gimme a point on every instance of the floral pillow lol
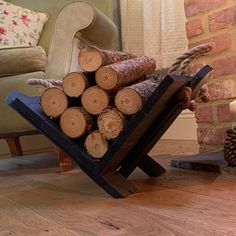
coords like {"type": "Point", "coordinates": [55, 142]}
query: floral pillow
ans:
{"type": "Point", "coordinates": [20, 26]}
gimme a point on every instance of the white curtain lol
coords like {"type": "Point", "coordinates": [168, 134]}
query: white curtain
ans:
{"type": "Point", "coordinates": [154, 28]}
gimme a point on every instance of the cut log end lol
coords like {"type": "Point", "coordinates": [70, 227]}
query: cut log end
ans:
{"type": "Point", "coordinates": [95, 100]}
{"type": "Point", "coordinates": [54, 102]}
{"type": "Point", "coordinates": [90, 59]}
{"type": "Point", "coordinates": [75, 122]}
{"type": "Point", "coordinates": [74, 84]}
{"type": "Point", "coordinates": [128, 101]}
{"type": "Point", "coordinates": [106, 78]}
{"type": "Point", "coordinates": [96, 145]}
{"type": "Point", "coordinates": [111, 123]}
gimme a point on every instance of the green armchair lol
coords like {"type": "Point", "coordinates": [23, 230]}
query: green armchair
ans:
{"type": "Point", "coordinates": [69, 20]}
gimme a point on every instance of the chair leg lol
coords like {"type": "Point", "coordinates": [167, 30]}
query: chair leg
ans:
{"type": "Point", "coordinates": [14, 146]}
{"type": "Point", "coordinates": [64, 160]}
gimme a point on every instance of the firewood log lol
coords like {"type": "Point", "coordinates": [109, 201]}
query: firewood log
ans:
{"type": "Point", "coordinates": [74, 84]}
{"type": "Point", "coordinates": [111, 123]}
{"type": "Point", "coordinates": [131, 99]}
{"type": "Point", "coordinates": [92, 58]}
{"type": "Point", "coordinates": [53, 102]}
{"type": "Point", "coordinates": [96, 145]}
{"type": "Point", "coordinates": [94, 100]}
{"type": "Point", "coordinates": [75, 122]}
{"type": "Point", "coordinates": [113, 76]}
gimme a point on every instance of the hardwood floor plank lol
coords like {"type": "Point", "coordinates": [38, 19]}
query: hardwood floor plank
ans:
{"type": "Point", "coordinates": [43, 201]}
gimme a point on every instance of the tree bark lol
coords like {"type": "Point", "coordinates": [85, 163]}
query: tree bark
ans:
{"type": "Point", "coordinates": [114, 76]}
{"type": "Point", "coordinates": [96, 145]}
{"type": "Point", "coordinates": [53, 102]}
{"type": "Point", "coordinates": [94, 100]}
{"type": "Point", "coordinates": [111, 123]}
{"type": "Point", "coordinates": [131, 99]}
{"type": "Point", "coordinates": [76, 122]}
{"type": "Point", "coordinates": [92, 58]}
{"type": "Point", "coordinates": [74, 84]}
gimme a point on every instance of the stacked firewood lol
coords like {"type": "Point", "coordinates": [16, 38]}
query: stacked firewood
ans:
{"type": "Point", "coordinates": [94, 105]}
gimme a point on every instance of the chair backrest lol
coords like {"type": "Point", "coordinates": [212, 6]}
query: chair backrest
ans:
{"type": "Point", "coordinates": [52, 7]}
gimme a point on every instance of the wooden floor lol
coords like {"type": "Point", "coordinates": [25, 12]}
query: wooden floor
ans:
{"type": "Point", "coordinates": [36, 199]}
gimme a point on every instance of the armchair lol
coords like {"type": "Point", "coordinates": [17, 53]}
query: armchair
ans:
{"type": "Point", "coordinates": [69, 20]}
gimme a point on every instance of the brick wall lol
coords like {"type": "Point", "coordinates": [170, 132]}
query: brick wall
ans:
{"type": "Point", "coordinates": [214, 21]}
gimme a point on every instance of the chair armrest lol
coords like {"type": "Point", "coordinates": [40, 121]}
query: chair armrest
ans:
{"type": "Point", "coordinates": [22, 60]}
{"type": "Point", "coordinates": [85, 21]}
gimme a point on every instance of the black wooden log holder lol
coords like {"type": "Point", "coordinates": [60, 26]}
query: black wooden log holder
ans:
{"type": "Point", "coordinates": [130, 149]}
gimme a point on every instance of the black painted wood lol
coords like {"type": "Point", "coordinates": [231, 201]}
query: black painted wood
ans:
{"type": "Point", "coordinates": [113, 183]}
{"type": "Point", "coordinates": [151, 167]}
{"type": "Point", "coordinates": [141, 122]}
{"type": "Point", "coordinates": [130, 149]}
{"type": "Point", "coordinates": [161, 123]}
{"type": "Point", "coordinates": [210, 161]}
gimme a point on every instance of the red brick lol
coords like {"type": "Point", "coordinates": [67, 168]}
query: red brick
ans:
{"type": "Point", "coordinates": [211, 135]}
{"type": "Point", "coordinates": [194, 28]}
{"type": "Point", "coordinates": [204, 115]}
{"type": "Point", "coordinates": [222, 19]}
{"type": "Point", "coordinates": [193, 7]}
{"type": "Point", "coordinates": [222, 89]}
{"type": "Point", "coordinates": [225, 66]}
{"type": "Point", "coordinates": [223, 112]}
{"type": "Point", "coordinates": [221, 43]}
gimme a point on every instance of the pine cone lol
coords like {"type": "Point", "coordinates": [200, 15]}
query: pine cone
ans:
{"type": "Point", "coordinates": [230, 147]}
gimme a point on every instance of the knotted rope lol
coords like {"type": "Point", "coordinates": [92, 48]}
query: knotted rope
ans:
{"type": "Point", "coordinates": [180, 67]}
{"type": "Point", "coordinates": [182, 62]}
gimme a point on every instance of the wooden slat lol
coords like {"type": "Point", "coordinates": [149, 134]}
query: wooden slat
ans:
{"type": "Point", "coordinates": [161, 124]}
{"type": "Point", "coordinates": [135, 130]}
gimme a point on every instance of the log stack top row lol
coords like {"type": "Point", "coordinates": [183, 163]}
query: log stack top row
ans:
{"type": "Point", "coordinates": [94, 105]}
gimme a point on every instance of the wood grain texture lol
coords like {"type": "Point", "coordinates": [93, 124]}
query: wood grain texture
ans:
{"type": "Point", "coordinates": [64, 160]}
{"type": "Point", "coordinates": [14, 146]}
{"type": "Point", "coordinates": [36, 200]}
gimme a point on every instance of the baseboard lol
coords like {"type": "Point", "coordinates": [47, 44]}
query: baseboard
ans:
{"type": "Point", "coordinates": [184, 127]}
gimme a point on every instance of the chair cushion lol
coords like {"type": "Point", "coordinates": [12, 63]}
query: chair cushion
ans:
{"type": "Point", "coordinates": [22, 60]}
{"type": "Point", "coordinates": [20, 26]}
{"type": "Point", "coordinates": [11, 121]}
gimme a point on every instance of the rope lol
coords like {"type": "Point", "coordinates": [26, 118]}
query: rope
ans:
{"type": "Point", "coordinates": [188, 56]}
{"type": "Point", "coordinates": [45, 83]}
{"type": "Point", "coordinates": [185, 64]}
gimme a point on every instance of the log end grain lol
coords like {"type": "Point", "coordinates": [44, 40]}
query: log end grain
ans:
{"type": "Point", "coordinates": [128, 101]}
{"type": "Point", "coordinates": [95, 100]}
{"type": "Point", "coordinates": [75, 122]}
{"type": "Point", "coordinates": [107, 78]}
{"type": "Point", "coordinates": [111, 123]}
{"type": "Point", "coordinates": [90, 59]}
{"type": "Point", "coordinates": [96, 145]}
{"type": "Point", "coordinates": [53, 102]}
{"type": "Point", "coordinates": [74, 84]}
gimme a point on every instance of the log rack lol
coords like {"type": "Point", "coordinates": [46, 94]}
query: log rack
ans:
{"type": "Point", "coordinates": [129, 150]}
